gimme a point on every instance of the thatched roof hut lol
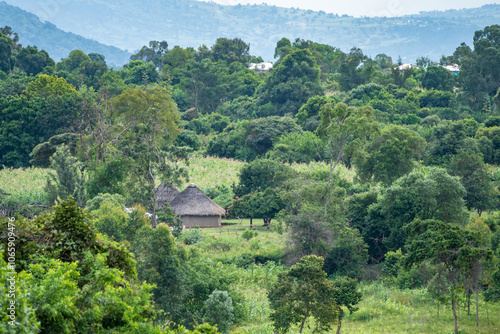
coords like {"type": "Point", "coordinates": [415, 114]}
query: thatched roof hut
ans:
{"type": "Point", "coordinates": [196, 209]}
{"type": "Point", "coordinates": [165, 193]}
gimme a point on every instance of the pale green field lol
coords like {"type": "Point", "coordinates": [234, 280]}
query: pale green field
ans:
{"type": "Point", "coordinates": [25, 185]}
{"type": "Point", "coordinates": [28, 184]}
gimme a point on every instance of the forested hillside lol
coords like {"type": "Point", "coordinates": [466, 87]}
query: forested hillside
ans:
{"type": "Point", "coordinates": [126, 24]}
{"type": "Point", "coordinates": [348, 183]}
{"type": "Point", "coordinates": [59, 43]}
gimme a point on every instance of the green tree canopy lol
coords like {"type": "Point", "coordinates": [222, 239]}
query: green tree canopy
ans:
{"type": "Point", "coordinates": [390, 155]}
{"type": "Point", "coordinates": [303, 292]}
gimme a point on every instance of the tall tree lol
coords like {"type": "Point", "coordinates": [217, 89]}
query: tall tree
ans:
{"type": "Point", "coordinates": [292, 82]}
{"type": "Point", "coordinates": [345, 129]}
{"type": "Point", "coordinates": [149, 120]}
{"type": "Point", "coordinates": [303, 292]}
{"type": "Point", "coordinates": [446, 244]}
{"type": "Point", "coordinates": [390, 155]}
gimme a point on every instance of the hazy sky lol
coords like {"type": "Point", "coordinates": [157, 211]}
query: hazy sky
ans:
{"type": "Point", "coordinates": [369, 7]}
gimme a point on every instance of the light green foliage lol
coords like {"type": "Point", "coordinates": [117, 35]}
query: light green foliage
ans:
{"type": "Point", "coordinates": [390, 155]}
{"type": "Point", "coordinates": [67, 302]}
{"type": "Point", "coordinates": [111, 219]}
{"type": "Point", "coordinates": [313, 213]}
{"type": "Point", "coordinates": [219, 310]}
{"type": "Point", "coordinates": [25, 319]}
{"type": "Point", "coordinates": [68, 180]}
{"type": "Point", "coordinates": [297, 147]}
{"type": "Point", "coordinates": [191, 236]}
{"type": "Point", "coordinates": [248, 234]}
{"type": "Point", "coordinates": [345, 129]}
{"type": "Point", "coordinates": [54, 293]}
{"type": "Point", "coordinates": [149, 119]}
{"type": "Point", "coordinates": [301, 292]}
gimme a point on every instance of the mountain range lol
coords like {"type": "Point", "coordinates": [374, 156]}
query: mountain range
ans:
{"type": "Point", "coordinates": [129, 24]}
{"type": "Point", "coordinates": [56, 42]}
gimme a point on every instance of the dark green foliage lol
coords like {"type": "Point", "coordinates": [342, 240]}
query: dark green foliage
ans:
{"type": "Point", "coordinates": [346, 295]}
{"type": "Point", "coordinates": [348, 255]}
{"type": "Point", "coordinates": [231, 50]}
{"type": "Point", "coordinates": [354, 70]}
{"type": "Point", "coordinates": [427, 194]}
{"type": "Point", "coordinates": [479, 75]}
{"type": "Point", "coordinates": [219, 310]}
{"type": "Point", "coordinates": [153, 53]}
{"type": "Point", "coordinates": [108, 178]}
{"type": "Point", "coordinates": [292, 82]}
{"type": "Point", "coordinates": [476, 179]}
{"type": "Point", "coordinates": [188, 138]}
{"type": "Point", "coordinates": [436, 99]}
{"type": "Point", "coordinates": [260, 204]}
{"type": "Point", "coordinates": [8, 48]}
{"type": "Point", "coordinates": [438, 78]}
{"type": "Point", "coordinates": [161, 262]}
{"type": "Point", "coordinates": [207, 124]}
{"type": "Point", "coordinates": [41, 154]}
{"type": "Point", "coordinates": [449, 138]}
{"type": "Point", "coordinates": [390, 155]}
{"type": "Point", "coordinates": [489, 139]}
{"type": "Point", "coordinates": [261, 174]}
{"type": "Point", "coordinates": [303, 292]}
{"type": "Point", "coordinates": [33, 61]}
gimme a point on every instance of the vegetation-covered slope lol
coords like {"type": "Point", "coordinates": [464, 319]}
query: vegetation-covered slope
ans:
{"type": "Point", "coordinates": [127, 24]}
{"type": "Point", "coordinates": [58, 43]}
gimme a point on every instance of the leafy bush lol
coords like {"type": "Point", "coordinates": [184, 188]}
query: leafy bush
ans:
{"type": "Point", "coordinates": [248, 234]}
{"type": "Point", "coordinates": [191, 236]}
{"type": "Point", "coordinates": [219, 310]}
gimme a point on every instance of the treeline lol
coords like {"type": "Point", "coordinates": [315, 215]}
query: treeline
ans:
{"type": "Point", "coordinates": [423, 143]}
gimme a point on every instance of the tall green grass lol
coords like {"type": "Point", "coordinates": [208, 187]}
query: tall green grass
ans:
{"type": "Point", "coordinates": [24, 185]}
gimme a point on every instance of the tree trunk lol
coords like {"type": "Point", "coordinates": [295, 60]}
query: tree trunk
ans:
{"type": "Point", "coordinates": [304, 321]}
{"type": "Point", "coordinates": [453, 306]}
{"type": "Point", "coordinates": [340, 325]}
{"type": "Point", "coordinates": [251, 223]}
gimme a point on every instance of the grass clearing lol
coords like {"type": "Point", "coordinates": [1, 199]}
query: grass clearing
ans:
{"type": "Point", "coordinates": [25, 185]}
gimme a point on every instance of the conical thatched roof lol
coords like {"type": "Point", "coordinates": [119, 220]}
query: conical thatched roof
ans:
{"type": "Point", "coordinates": [165, 193]}
{"type": "Point", "coordinates": [193, 202]}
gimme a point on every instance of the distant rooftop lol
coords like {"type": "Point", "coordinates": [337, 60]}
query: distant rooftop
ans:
{"type": "Point", "coordinates": [266, 66]}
